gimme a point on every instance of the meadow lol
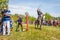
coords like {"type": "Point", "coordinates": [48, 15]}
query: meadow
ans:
{"type": "Point", "coordinates": [47, 33]}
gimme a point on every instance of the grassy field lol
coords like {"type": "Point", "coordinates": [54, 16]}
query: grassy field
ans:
{"type": "Point", "coordinates": [47, 33]}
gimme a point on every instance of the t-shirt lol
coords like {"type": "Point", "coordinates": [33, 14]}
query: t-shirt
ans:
{"type": "Point", "coordinates": [19, 20]}
{"type": "Point", "coordinates": [6, 18]}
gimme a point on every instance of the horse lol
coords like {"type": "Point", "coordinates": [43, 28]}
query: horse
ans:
{"type": "Point", "coordinates": [40, 18]}
{"type": "Point", "coordinates": [39, 22]}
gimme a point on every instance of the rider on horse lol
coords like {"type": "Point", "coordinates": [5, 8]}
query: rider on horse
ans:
{"type": "Point", "coordinates": [40, 17]}
{"type": "Point", "coordinates": [40, 14]}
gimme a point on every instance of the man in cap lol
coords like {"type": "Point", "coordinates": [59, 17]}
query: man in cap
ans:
{"type": "Point", "coordinates": [6, 22]}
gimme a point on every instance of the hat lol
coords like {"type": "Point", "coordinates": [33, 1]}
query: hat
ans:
{"type": "Point", "coordinates": [5, 11]}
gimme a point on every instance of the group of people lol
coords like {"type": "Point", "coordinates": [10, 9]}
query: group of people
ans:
{"type": "Point", "coordinates": [52, 22]}
{"type": "Point", "coordinates": [6, 23]}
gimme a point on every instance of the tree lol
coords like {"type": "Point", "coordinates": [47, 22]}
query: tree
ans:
{"type": "Point", "coordinates": [58, 18]}
{"type": "Point", "coordinates": [48, 16]}
{"type": "Point", "coordinates": [32, 19]}
{"type": "Point", "coordinates": [3, 3]}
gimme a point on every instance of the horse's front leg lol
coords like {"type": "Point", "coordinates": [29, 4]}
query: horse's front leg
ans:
{"type": "Point", "coordinates": [40, 24]}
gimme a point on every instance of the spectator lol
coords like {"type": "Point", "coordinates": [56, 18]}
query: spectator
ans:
{"type": "Point", "coordinates": [6, 22]}
{"type": "Point", "coordinates": [55, 23]}
{"type": "Point", "coordinates": [19, 23]}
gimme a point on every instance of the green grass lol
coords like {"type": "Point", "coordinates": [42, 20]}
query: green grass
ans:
{"type": "Point", "coordinates": [47, 33]}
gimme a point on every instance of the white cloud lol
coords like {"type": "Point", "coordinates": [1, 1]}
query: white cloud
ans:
{"type": "Point", "coordinates": [22, 9]}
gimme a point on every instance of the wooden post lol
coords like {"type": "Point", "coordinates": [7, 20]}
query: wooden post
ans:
{"type": "Point", "coordinates": [26, 21]}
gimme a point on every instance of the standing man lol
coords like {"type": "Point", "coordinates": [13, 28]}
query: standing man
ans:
{"type": "Point", "coordinates": [6, 22]}
{"type": "Point", "coordinates": [19, 21]}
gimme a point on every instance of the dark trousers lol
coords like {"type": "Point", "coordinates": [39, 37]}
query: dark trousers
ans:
{"type": "Point", "coordinates": [19, 24]}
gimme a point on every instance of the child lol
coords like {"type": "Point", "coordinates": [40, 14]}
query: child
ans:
{"type": "Point", "coordinates": [11, 24]}
{"type": "Point", "coordinates": [19, 23]}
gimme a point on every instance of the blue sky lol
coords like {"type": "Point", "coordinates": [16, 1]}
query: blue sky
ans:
{"type": "Point", "coordinates": [30, 6]}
